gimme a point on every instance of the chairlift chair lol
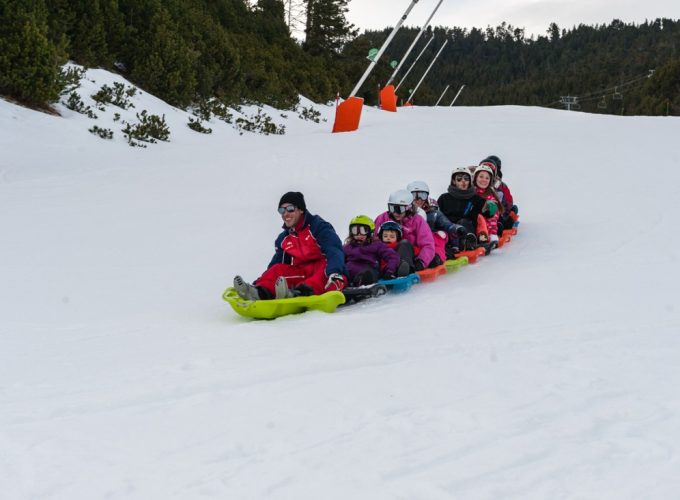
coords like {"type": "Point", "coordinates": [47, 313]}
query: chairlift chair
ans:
{"type": "Point", "coordinates": [602, 104]}
{"type": "Point", "coordinates": [617, 96]}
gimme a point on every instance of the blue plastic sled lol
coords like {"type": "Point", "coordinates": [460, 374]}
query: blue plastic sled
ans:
{"type": "Point", "coordinates": [400, 285]}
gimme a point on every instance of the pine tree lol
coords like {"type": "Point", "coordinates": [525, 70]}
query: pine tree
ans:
{"type": "Point", "coordinates": [164, 63]}
{"type": "Point", "coordinates": [327, 30]}
{"type": "Point", "coordinates": [29, 61]}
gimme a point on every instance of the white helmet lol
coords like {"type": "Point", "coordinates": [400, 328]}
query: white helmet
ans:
{"type": "Point", "coordinates": [485, 168]}
{"type": "Point", "coordinates": [418, 186]}
{"type": "Point", "coordinates": [461, 170]}
{"type": "Point", "coordinates": [401, 197]}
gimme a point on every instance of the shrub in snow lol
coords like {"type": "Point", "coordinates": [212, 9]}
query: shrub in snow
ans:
{"type": "Point", "coordinates": [261, 123]}
{"type": "Point", "coordinates": [75, 103]}
{"type": "Point", "coordinates": [197, 126]}
{"type": "Point", "coordinates": [118, 96]}
{"type": "Point", "coordinates": [206, 108]}
{"type": "Point", "coordinates": [151, 128]}
{"type": "Point", "coordinates": [104, 133]}
{"type": "Point", "coordinates": [69, 78]}
{"type": "Point", "coordinates": [309, 113]}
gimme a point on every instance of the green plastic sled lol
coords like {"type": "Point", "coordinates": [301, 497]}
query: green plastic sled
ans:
{"type": "Point", "coordinates": [271, 309]}
{"type": "Point", "coordinates": [452, 265]}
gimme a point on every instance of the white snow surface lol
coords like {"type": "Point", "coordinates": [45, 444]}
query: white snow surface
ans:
{"type": "Point", "coordinates": [548, 370]}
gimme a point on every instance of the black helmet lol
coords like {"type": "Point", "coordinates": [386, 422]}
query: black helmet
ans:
{"type": "Point", "coordinates": [390, 226]}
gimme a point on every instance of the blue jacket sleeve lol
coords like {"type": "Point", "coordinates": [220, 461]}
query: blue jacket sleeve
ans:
{"type": "Point", "coordinates": [330, 244]}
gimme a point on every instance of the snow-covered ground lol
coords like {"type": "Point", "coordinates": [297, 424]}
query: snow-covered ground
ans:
{"type": "Point", "coordinates": [546, 371]}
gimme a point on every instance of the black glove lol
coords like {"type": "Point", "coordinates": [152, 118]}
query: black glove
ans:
{"type": "Point", "coordinates": [419, 265]}
{"type": "Point", "coordinates": [461, 231]}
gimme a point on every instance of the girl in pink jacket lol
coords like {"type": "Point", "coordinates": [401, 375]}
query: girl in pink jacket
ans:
{"type": "Point", "coordinates": [483, 180]}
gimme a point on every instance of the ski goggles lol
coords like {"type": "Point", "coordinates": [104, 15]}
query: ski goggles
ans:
{"type": "Point", "coordinates": [397, 209]}
{"type": "Point", "coordinates": [290, 209]}
{"type": "Point", "coordinates": [461, 177]}
{"type": "Point", "coordinates": [420, 195]}
{"type": "Point", "coordinates": [359, 229]}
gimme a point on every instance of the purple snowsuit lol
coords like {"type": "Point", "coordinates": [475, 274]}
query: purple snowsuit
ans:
{"type": "Point", "coordinates": [416, 230]}
{"type": "Point", "coordinates": [359, 257]}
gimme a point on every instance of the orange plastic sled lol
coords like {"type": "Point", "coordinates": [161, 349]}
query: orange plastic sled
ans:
{"type": "Point", "coordinates": [428, 275]}
{"type": "Point", "coordinates": [482, 229]}
{"type": "Point", "coordinates": [388, 99]}
{"type": "Point", "coordinates": [472, 254]}
{"type": "Point", "coordinates": [348, 115]}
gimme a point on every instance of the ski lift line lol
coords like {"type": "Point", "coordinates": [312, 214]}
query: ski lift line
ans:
{"type": "Point", "coordinates": [605, 92]}
{"type": "Point", "coordinates": [413, 44]}
{"type": "Point", "coordinates": [621, 85]}
{"type": "Point", "coordinates": [427, 70]}
{"type": "Point", "coordinates": [597, 97]}
{"type": "Point", "coordinates": [599, 93]}
{"type": "Point", "coordinates": [414, 63]}
{"type": "Point", "coordinates": [382, 49]}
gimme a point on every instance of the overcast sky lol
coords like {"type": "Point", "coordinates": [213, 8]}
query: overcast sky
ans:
{"type": "Point", "coordinates": [533, 15]}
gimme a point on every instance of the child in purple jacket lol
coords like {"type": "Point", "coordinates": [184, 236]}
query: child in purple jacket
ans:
{"type": "Point", "coordinates": [363, 254]}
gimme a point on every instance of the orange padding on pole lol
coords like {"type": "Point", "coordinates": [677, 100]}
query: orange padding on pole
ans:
{"type": "Point", "coordinates": [348, 115]}
{"type": "Point", "coordinates": [388, 99]}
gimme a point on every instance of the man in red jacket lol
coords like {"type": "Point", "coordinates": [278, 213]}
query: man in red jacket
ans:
{"type": "Point", "coordinates": [309, 259]}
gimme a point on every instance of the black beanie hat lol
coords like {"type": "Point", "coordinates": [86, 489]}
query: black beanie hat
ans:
{"type": "Point", "coordinates": [294, 198]}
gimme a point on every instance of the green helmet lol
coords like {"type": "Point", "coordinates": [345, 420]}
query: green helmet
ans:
{"type": "Point", "coordinates": [362, 220]}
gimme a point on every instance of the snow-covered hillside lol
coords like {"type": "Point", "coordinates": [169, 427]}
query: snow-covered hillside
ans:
{"type": "Point", "coordinates": [547, 370]}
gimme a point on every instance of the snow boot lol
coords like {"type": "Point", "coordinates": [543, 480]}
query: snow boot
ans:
{"type": "Point", "coordinates": [246, 290]}
{"type": "Point", "coordinates": [404, 269]}
{"type": "Point", "coordinates": [469, 242]}
{"type": "Point", "coordinates": [366, 277]}
{"type": "Point", "coordinates": [281, 288]}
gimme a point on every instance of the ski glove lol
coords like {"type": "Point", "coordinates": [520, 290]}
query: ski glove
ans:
{"type": "Point", "coordinates": [336, 281]}
{"type": "Point", "coordinates": [490, 209]}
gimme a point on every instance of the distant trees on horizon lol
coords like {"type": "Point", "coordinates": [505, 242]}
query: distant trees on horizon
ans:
{"type": "Point", "coordinates": [187, 50]}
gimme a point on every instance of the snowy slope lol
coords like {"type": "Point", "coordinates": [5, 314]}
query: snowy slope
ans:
{"type": "Point", "coordinates": [548, 370]}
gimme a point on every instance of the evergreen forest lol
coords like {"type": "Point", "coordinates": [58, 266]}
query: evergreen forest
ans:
{"type": "Point", "coordinates": [185, 51]}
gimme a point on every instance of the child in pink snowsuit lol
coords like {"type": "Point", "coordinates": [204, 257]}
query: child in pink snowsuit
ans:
{"type": "Point", "coordinates": [483, 180]}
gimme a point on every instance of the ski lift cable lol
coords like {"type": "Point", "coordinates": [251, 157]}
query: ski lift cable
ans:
{"type": "Point", "coordinates": [596, 97]}
{"type": "Point", "coordinates": [619, 86]}
{"type": "Point", "coordinates": [598, 94]}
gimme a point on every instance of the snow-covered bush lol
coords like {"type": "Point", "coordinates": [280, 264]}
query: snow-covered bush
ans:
{"type": "Point", "coordinates": [197, 126]}
{"type": "Point", "coordinates": [118, 96]}
{"type": "Point", "coordinates": [75, 103]}
{"type": "Point", "coordinates": [104, 133]}
{"type": "Point", "coordinates": [151, 128]}
{"type": "Point", "coordinates": [260, 123]}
